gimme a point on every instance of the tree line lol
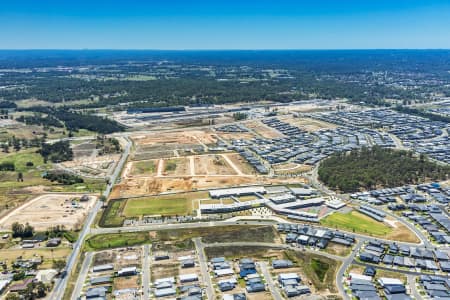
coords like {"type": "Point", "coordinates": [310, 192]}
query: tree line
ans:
{"type": "Point", "coordinates": [372, 168]}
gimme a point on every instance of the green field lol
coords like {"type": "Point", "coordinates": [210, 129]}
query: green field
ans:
{"type": "Point", "coordinates": [356, 222]}
{"type": "Point", "coordinates": [170, 165]}
{"type": "Point", "coordinates": [318, 269]}
{"type": "Point", "coordinates": [104, 241]}
{"type": "Point", "coordinates": [165, 205]}
{"type": "Point", "coordinates": [112, 216]}
{"type": "Point", "coordinates": [181, 238]}
{"type": "Point", "coordinates": [157, 206]}
{"type": "Point", "coordinates": [144, 167]}
{"type": "Point", "coordinates": [21, 158]}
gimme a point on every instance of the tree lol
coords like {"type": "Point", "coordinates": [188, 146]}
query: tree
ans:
{"type": "Point", "coordinates": [17, 229]}
{"type": "Point", "coordinates": [20, 177]}
{"type": "Point", "coordinates": [5, 147]}
{"type": "Point", "coordinates": [57, 152]}
{"type": "Point", "coordinates": [59, 264]}
{"type": "Point", "coordinates": [40, 290]}
{"type": "Point", "coordinates": [12, 296]}
{"type": "Point", "coordinates": [23, 231]}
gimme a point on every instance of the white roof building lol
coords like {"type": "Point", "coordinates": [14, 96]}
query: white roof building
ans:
{"type": "Point", "coordinates": [389, 281]}
{"type": "Point", "coordinates": [286, 276]}
{"type": "Point", "coordinates": [165, 292]}
{"type": "Point", "coordinates": [127, 270]}
{"type": "Point", "coordinates": [4, 284]}
{"type": "Point", "coordinates": [223, 272]}
{"type": "Point", "coordinates": [188, 277]}
{"type": "Point", "coordinates": [167, 279]}
{"type": "Point", "coordinates": [360, 277]}
{"type": "Point", "coordinates": [46, 276]}
{"type": "Point", "coordinates": [237, 191]}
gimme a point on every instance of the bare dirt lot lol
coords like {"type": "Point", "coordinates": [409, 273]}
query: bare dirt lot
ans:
{"type": "Point", "coordinates": [308, 124]}
{"type": "Point", "coordinates": [174, 137]}
{"type": "Point", "coordinates": [45, 211]}
{"type": "Point", "coordinates": [171, 144]}
{"type": "Point", "coordinates": [92, 165]}
{"type": "Point", "coordinates": [176, 167]}
{"type": "Point", "coordinates": [240, 163]}
{"type": "Point", "coordinates": [144, 168]}
{"type": "Point", "coordinates": [291, 168]}
{"type": "Point", "coordinates": [128, 282]}
{"type": "Point", "coordinates": [236, 135]}
{"type": "Point", "coordinates": [212, 165]}
{"type": "Point", "coordinates": [263, 130]}
{"type": "Point", "coordinates": [131, 187]}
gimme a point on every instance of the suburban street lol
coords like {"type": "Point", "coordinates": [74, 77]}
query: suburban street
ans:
{"type": "Point", "coordinates": [343, 268]}
{"type": "Point", "coordinates": [412, 286]}
{"type": "Point", "coordinates": [204, 267]}
{"type": "Point", "coordinates": [270, 284]}
{"type": "Point", "coordinates": [82, 276]}
{"type": "Point", "coordinates": [146, 272]}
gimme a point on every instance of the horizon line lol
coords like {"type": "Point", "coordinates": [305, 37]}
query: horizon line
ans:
{"type": "Point", "coordinates": [215, 49]}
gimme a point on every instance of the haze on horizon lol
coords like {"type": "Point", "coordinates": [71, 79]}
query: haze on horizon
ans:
{"type": "Point", "coordinates": [198, 24]}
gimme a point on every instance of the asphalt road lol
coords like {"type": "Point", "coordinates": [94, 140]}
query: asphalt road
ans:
{"type": "Point", "coordinates": [406, 272]}
{"type": "Point", "coordinates": [204, 268]}
{"type": "Point", "coordinates": [146, 273]}
{"type": "Point", "coordinates": [412, 286]}
{"type": "Point", "coordinates": [82, 276]}
{"type": "Point", "coordinates": [344, 266]}
{"type": "Point", "coordinates": [61, 284]}
{"type": "Point", "coordinates": [272, 288]}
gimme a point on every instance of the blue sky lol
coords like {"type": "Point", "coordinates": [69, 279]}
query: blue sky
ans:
{"type": "Point", "coordinates": [217, 24]}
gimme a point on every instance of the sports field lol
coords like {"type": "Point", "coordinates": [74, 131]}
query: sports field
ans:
{"type": "Point", "coordinates": [146, 206]}
{"type": "Point", "coordinates": [356, 222]}
{"type": "Point", "coordinates": [165, 205]}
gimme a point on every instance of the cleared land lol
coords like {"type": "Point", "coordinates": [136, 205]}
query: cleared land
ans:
{"type": "Point", "coordinates": [97, 166]}
{"type": "Point", "coordinates": [127, 282]}
{"type": "Point", "coordinates": [236, 135]}
{"type": "Point", "coordinates": [338, 249]}
{"type": "Point", "coordinates": [132, 187]}
{"type": "Point", "coordinates": [263, 130]}
{"type": "Point", "coordinates": [176, 167]}
{"type": "Point", "coordinates": [241, 163]}
{"type": "Point", "coordinates": [181, 238]}
{"type": "Point", "coordinates": [48, 255]}
{"type": "Point", "coordinates": [212, 165]}
{"type": "Point", "coordinates": [309, 124]}
{"type": "Point", "coordinates": [166, 144]}
{"type": "Point", "coordinates": [49, 210]}
{"type": "Point", "coordinates": [147, 167]}
{"type": "Point", "coordinates": [15, 193]}
{"type": "Point", "coordinates": [319, 270]}
{"type": "Point", "coordinates": [291, 168]}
